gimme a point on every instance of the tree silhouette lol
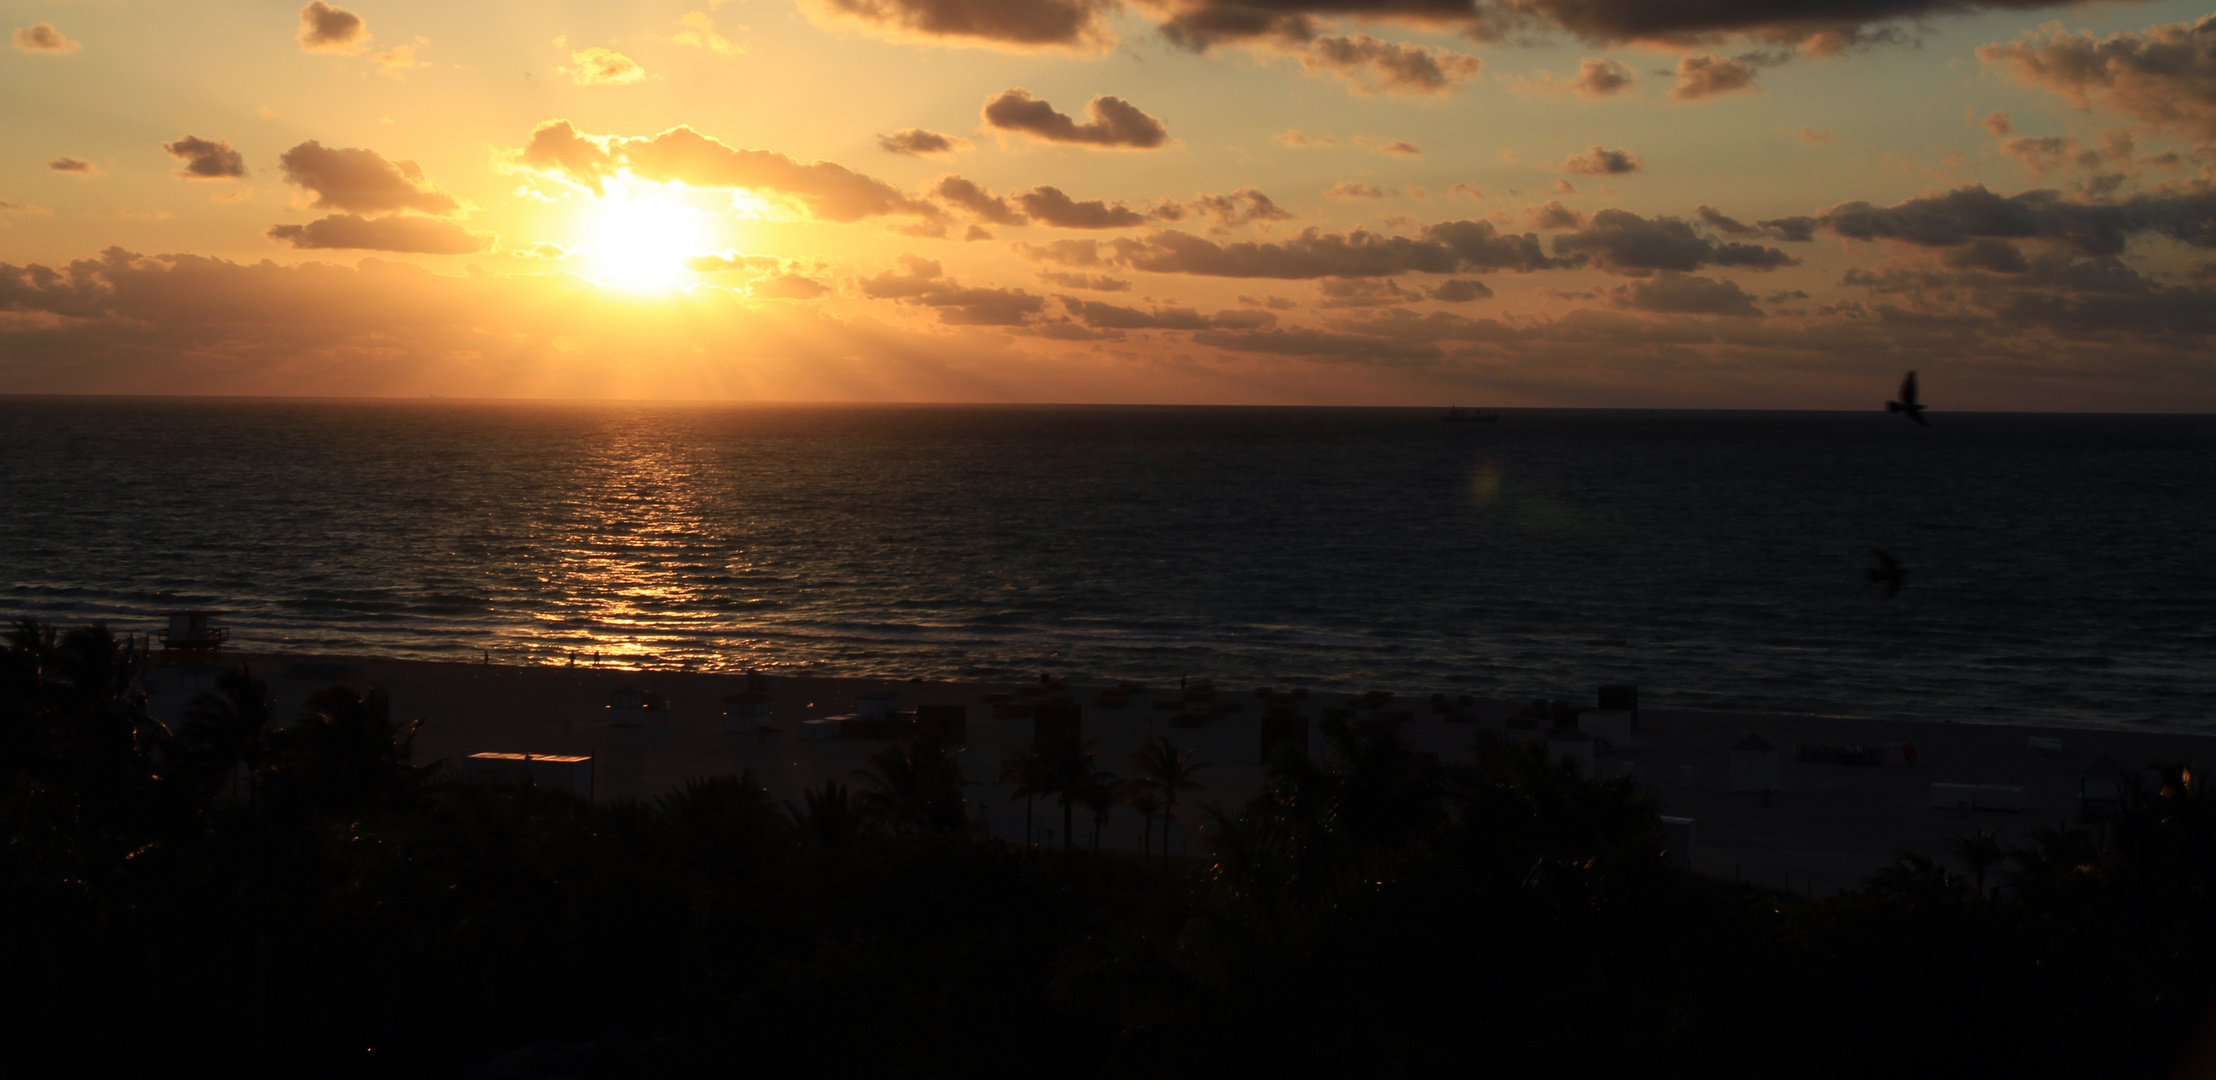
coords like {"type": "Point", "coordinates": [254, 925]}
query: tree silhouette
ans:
{"type": "Point", "coordinates": [228, 729]}
{"type": "Point", "coordinates": [1167, 773]}
{"type": "Point", "coordinates": [1979, 853]}
{"type": "Point", "coordinates": [827, 815]}
{"type": "Point", "coordinates": [915, 784]}
{"type": "Point", "coordinates": [1026, 769]}
{"type": "Point", "coordinates": [1100, 792]}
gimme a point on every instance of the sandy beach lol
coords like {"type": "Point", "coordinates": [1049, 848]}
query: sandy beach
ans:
{"type": "Point", "coordinates": [1825, 827]}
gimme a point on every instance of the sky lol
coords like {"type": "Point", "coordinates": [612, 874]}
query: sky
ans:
{"type": "Point", "coordinates": [1567, 203]}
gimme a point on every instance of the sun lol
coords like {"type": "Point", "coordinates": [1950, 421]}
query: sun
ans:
{"type": "Point", "coordinates": [640, 239]}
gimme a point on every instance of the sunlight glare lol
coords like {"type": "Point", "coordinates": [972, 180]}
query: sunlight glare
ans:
{"type": "Point", "coordinates": [640, 239]}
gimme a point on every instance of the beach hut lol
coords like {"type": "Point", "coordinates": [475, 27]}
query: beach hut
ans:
{"type": "Point", "coordinates": [1622, 698]}
{"type": "Point", "coordinates": [2104, 789]}
{"type": "Point", "coordinates": [1677, 843]}
{"type": "Point", "coordinates": [1754, 765]}
{"type": "Point", "coordinates": [626, 707]}
{"type": "Point", "coordinates": [1611, 726]}
{"type": "Point", "coordinates": [746, 712]}
{"type": "Point", "coordinates": [1572, 744]}
{"type": "Point", "coordinates": [563, 772]}
{"type": "Point", "coordinates": [191, 638]}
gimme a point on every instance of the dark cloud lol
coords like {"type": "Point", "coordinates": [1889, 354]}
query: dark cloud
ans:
{"type": "Point", "coordinates": [1445, 248]}
{"type": "Point", "coordinates": [1702, 77]}
{"type": "Point", "coordinates": [328, 29]}
{"type": "Point", "coordinates": [1089, 282]}
{"type": "Point", "coordinates": [1957, 217]}
{"type": "Point", "coordinates": [979, 202]}
{"type": "Point", "coordinates": [360, 180]}
{"type": "Point", "coordinates": [1685, 294]}
{"type": "Point", "coordinates": [1242, 207]}
{"type": "Point", "coordinates": [788, 287]}
{"type": "Point", "coordinates": [829, 191]}
{"type": "Point", "coordinates": [1354, 189]}
{"type": "Point", "coordinates": [1998, 123]}
{"type": "Point", "coordinates": [206, 159]}
{"type": "Point", "coordinates": [1049, 206]}
{"type": "Point", "coordinates": [1102, 316]}
{"type": "Point", "coordinates": [1799, 229]}
{"type": "Point", "coordinates": [1459, 291]}
{"type": "Point", "coordinates": [1110, 122]}
{"type": "Point", "coordinates": [976, 232]}
{"type": "Point", "coordinates": [1989, 255]}
{"type": "Point", "coordinates": [1019, 25]}
{"type": "Point", "coordinates": [1555, 216]}
{"type": "Point", "coordinates": [43, 38]}
{"type": "Point", "coordinates": [1315, 343]}
{"type": "Point", "coordinates": [1370, 66]}
{"type": "Point", "coordinates": [75, 165]}
{"type": "Point", "coordinates": [1600, 161]}
{"type": "Point", "coordinates": [1724, 223]}
{"type": "Point", "coordinates": [918, 142]}
{"type": "Point", "coordinates": [1599, 78]}
{"type": "Point", "coordinates": [2165, 76]}
{"type": "Point", "coordinates": [1621, 242]}
{"type": "Point", "coordinates": [924, 282]}
{"type": "Point", "coordinates": [414, 235]}
{"type": "Point", "coordinates": [1361, 293]}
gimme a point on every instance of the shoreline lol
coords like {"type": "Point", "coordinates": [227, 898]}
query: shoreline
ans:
{"type": "Point", "coordinates": [1827, 825]}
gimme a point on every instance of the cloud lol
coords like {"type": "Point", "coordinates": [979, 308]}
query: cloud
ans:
{"type": "Point", "coordinates": [1685, 294]}
{"type": "Point", "coordinates": [979, 202]}
{"type": "Point", "coordinates": [1553, 215]}
{"type": "Point", "coordinates": [43, 38]}
{"type": "Point", "coordinates": [1389, 147]}
{"type": "Point", "coordinates": [788, 287]}
{"type": "Point", "coordinates": [924, 282]}
{"type": "Point", "coordinates": [414, 235]}
{"type": "Point", "coordinates": [1599, 78]}
{"type": "Point", "coordinates": [1445, 248]}
{"type": "Point", "coordinates": [1088, 282]}
{"type": "Point", "coordinates": [1316, 343]}
{"type": "Point", "coordinates": [1459, 291]}
{"type": "Point", "coordinates": [1998, 123]}
{"type": "Point", "coordinates": [1011, 25]}
{"type": "Point", "coordinates": [603, 67]}
{"type": "Point", "coordinates": [1111, 122]}
{"type": "Point", "coordinates": [1703, 77]}
{"type": "Point", "coordinates": [918, 142]}
{"type": "Point", "coordinates": [1102, 316]}
{"type": "Point", "coordinates": [1049, 206]}
{"type": "Point", "coordinates": [700, 33]}
{"type": "Point", "coordinates": [1370, 66]}
{"type": "Point", "coordinates": [2165, 77]}
{"type": "Point", "coordinates": [206, 159]}
{"type": "Point", "coordinates": [1809, 134]}
{"type": "Point", "coordinates": [360, 180]}
{"type": "Point", "coordinates": [1242, 207]}
{"type": "Point", "coordinates": [327, 29]}
{"type": "Point", "coordinates": [1724, 223]}
{"type": "Point", "coordinates": [1958, 217]}
{"type": "Point", "coordinates": [1621, 242]}
{"type": "Point", "coordinates": [396, 62]}
{"type": "Point", "coordinates": [1354, 189]}
{"type": "Point", "coordinates": [1601, 162]}
{"type": "Point", "coordinates": [827, 190]}
{"type": "Point", "coordinates": [544, 249]}
{"type": "Point", "coordinates": [75, 166]}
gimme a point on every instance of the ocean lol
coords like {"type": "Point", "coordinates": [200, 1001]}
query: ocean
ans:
{"type": "Point", "coordinates": [2059, 565]}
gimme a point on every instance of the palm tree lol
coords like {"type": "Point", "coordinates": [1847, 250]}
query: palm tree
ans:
{"type": "Point", "coordinates": [1100, 793]}
{"type": "Point", "coordinates": [1139, 795]}
{"type": "Point", "coordinates": [1027, 770]}
{"type": "Point", "coordinates": [229, 727]}
{"type": "Point", "coordinates": [1066, 766]}
{"type": "Point", "coordinates": [915, 784]}
{"type": "Point", "coordinates": [1979, 853]}
{"type": "Point", "coordinates": [1168, 773]}
{"type": "Point", "coordinates": [827, 814]}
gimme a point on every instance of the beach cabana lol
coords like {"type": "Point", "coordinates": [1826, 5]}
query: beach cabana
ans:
{"type": "Point", "coordinates": [1754, 765]}
{"type": "Point", "coordinates": [626, 707]}
{"type": "Point", "coordinates": [191, 638]}
{"type": "Point", "coordinates": [746, 712]}
{"type": "Point", "coordinates": [2104, 789]}
{"type": "Point", "coordinates": [1611, 726]}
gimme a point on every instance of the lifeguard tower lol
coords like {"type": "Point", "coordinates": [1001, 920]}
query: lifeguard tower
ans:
{"type": "Point", "coordinates": [189, 639]}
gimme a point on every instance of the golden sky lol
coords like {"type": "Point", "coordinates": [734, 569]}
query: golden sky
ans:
{"type": "Point", "coordinates": [1737, 203]}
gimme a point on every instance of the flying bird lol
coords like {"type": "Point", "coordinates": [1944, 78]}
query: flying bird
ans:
{"type": "Point", "coordinates": [1888, 572]}
{"type": "Point", "coordinates": [1908, 404]}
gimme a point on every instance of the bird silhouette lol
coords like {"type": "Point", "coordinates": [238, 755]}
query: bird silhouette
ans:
{"type": "Point", "coordinates": [1888, 572]}
{"type": "Point", "coordinates": [1908, 403]}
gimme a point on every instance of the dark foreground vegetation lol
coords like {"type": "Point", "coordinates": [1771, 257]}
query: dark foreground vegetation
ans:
{"type": "Point", "coordinates": [240, 898]}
